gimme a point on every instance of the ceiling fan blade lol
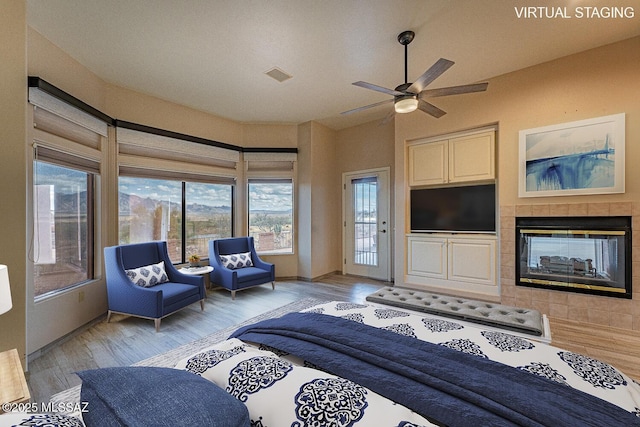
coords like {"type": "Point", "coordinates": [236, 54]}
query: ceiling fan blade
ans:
{"type": "Point", "coordinates": [430, 109]}
{"type": "Point", "coordinates": [455, 90]}
{"type": "Point", "coordinates": [355, 110]}
{"type": "Point", "coordinates": [378, 88]}
{"type": "Point", "coordinates": [388, 117]}
{"type": "Point", "coordinates": [430, 75]}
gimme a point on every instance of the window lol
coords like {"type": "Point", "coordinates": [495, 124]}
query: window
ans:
{"type": "Point", "coordinates": [184, 214]}
{"type": "Point", "coordinates": [63, 227]}
{"type": "Point", "coordinates": [271, 215]}
{"type": "Point", "coordinates": [151, 209]}
{"type": "Point", "coordinates": [208, 215]}
{"type": "Point", "coordinates": [365, 220]}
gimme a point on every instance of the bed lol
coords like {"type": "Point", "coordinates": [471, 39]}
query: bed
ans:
{"type": "Point", "coordinates": [282, 371]}
{"type": "Point", "coordinates": [345, 364]}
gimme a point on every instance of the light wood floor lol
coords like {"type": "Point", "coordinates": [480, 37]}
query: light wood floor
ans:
{"type": "Point", "coordinates": [127, 340]}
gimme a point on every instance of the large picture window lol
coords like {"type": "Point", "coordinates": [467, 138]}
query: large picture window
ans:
{"type": "Point", "coordinates": [208, 215]}
{"type": "Point", "coordinates": [184, 214]}
{"type": "Point", "coordinates": [63, 227]}
{"type": "Point", "coordinates": [271, 215]}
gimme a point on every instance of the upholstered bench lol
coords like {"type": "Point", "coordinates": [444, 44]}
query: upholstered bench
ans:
{"type": "Point", "coordinates": [516, 319]}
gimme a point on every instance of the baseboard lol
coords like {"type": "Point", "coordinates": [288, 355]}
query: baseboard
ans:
{"type": "Point", "coordinates": [317, 278]}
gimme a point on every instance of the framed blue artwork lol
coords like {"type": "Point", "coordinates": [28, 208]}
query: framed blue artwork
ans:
{"type": "Point", "coordinates": [575, 158]}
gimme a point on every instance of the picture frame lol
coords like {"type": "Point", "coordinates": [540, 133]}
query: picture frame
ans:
{"type": "Point", "coordinates": [583, 157]}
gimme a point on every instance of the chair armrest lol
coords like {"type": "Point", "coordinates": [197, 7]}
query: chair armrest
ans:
{"type": "Point", "coordinates": [259, 263]}
{"type": "Point", "coordinates": [176, 276]}
{"type": "Point", "coordinates": [127, 297]}
{"type": "Point", "coordinates": [263, 265]}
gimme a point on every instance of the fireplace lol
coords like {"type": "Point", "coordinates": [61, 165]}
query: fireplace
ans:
{"type": "Point", "coordinates": [577, 254]}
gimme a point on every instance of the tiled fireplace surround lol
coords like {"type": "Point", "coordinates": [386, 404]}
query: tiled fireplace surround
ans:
{"type": "Point", "coordinates": [599, 310]}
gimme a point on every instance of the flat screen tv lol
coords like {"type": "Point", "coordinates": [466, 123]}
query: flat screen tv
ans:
{"type": "Point", "coordinates": [463, 209]}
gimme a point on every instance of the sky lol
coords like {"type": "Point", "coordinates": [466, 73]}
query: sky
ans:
{"type": "Point", "coordinates": [273, 196]}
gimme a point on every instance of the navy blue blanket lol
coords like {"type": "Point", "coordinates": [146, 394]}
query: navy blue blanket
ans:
{"type": "Point", "coordinates": [446, 386]}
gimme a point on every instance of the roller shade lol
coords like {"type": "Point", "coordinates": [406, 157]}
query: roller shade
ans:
{"type": "Point", "coordinates": [49, 103]}
{"type": "Point", "coordinates": [270, 164]}
{"type": "Point", "coordinates": [147, 155]}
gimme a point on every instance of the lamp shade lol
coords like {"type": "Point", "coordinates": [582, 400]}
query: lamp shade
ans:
{"type": "Point", "coordinates": [5, 290]}
{"type": "Point", "coordinates": [406, 104]}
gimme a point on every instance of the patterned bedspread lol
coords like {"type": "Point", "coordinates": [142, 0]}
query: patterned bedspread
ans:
{"type": "Point", "coordinates": [578, 371]}
{"type": "Point", "coordinates": [281, 390]}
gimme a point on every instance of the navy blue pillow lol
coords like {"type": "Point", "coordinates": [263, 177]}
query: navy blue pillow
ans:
{"type": "Point", "coordinates": [150, 396]}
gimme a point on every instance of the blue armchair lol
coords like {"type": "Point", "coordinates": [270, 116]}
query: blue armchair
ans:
{"type": "Point", "coordinates": [153, 302]}
{"type": "Point", "coordinates": [240, 278]}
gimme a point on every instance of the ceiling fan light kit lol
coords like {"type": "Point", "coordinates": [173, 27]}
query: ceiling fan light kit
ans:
{"type": "Point", "coordinates": [409, 97]}
{"type": "Point", "coordinates": [406, 104]}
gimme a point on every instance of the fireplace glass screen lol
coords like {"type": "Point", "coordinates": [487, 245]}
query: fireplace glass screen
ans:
{"type": "Point", "coordinates": [589, 255]}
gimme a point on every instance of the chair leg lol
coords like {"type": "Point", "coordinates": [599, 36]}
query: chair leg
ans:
{"type": "Point", "coordinates": [233, 295]}
{"type": "Point", "coordinates": [108, 316]}
{"type": "Point", "coordinates": [273, 285]}
{"type": "Point", "coordinates": [157, 323]}
{"type": "Point", "coordinates": [201, 305]}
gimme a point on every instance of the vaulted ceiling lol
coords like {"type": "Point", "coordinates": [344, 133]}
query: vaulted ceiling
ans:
{"type": "Point", "coordinates": [212, 55]}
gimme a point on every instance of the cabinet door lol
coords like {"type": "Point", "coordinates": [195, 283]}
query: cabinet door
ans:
{"type": "Point", "coordinates": [472, 158]}
{"type": "Point", "coordinates": [427, 256]}
{"type": "Point", "coordinates": [428, 163]}
{"type": "Point", "coordinates": [472, 260]}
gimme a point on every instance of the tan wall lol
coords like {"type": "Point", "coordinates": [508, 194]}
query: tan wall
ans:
{"type": "Point", "coordinates": [13, 247]}
{"type": "Point", "coordinates": [303, 201]}
{"type": "Point", "coordinates": [368, 146]}
{"type": "Point", "coordinates": [325, 202]}
{"type": "Point", "coordinates": [318, 202]}
{"type": "Point", "coordinates": [595, 83]}
{"type": "Point", "coordinates": [269, 135]}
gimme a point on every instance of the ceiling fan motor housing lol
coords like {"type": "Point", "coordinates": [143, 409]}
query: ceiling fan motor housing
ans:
{"type": "Point", "coordinates": [408, 97]}
{"type": "Point", "coordinates": [406, 37]}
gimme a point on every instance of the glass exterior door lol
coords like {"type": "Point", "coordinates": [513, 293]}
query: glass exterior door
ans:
{"type": "Point", "coordinates": [366, 213]}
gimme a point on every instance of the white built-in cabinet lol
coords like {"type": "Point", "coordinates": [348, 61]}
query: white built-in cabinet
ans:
{"type": "Point", "coordinates": [469, 258]}
{"type": "Point", "coordinates": [465, 262]}
{"type": "Point", "coordinates": [452, 261]}
{"type": "Point", "coordinates": [456, 160]}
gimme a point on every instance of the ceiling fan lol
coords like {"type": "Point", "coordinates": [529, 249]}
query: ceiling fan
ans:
{"type": "Point", "coordinates": [408, 97]}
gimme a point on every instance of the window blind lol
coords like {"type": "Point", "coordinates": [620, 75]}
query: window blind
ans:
{"type": "Point", "coordinates": [142, 154]}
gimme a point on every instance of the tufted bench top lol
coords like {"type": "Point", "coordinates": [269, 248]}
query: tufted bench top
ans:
{"type": "Point", "coordinates": [501, 316]}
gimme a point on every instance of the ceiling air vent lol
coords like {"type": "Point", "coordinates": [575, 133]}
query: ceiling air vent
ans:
{"type": "Point", "coordinates": [277, 74]}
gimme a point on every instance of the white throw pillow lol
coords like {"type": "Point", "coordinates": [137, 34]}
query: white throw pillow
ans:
{"type": "Point", "coordinates": [234, 261]}
{"type": "Point", "coordinates": [148, 275]}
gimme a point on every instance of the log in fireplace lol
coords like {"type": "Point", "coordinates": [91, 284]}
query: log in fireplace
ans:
{"type": "Point", "coordinates": [577, 254]}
